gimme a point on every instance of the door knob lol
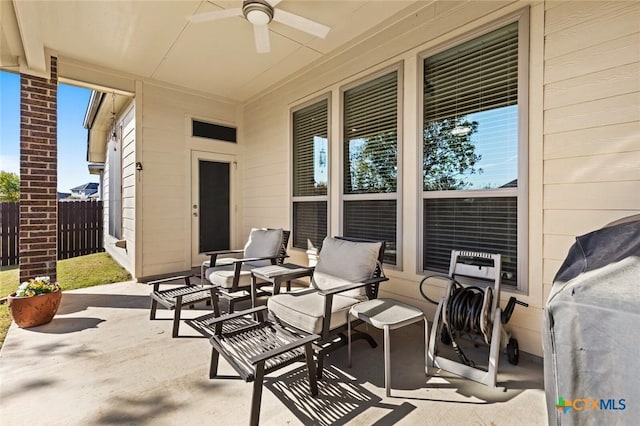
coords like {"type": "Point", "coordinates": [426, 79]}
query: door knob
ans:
{"type": "Point", "coordinates": [195, 214]}
{"type": "Point", "coordinates": [195, 206]}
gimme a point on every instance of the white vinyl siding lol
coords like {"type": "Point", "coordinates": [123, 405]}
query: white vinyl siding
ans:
{"type": "Point", "coordinates": [592, 122]}
{"type": "Point", "coordinates": [128, 176]}
{"type": "Point", "coordinates": [165, 151]}
{"type": "Point", "coordinates": [119, 190]}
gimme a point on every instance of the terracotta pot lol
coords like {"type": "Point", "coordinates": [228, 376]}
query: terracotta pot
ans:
{"type": "Point", "coordinates": [34, 310]}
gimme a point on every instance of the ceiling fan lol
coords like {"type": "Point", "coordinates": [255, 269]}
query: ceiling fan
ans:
{"type": "Point", "coordinates": [260, 13]}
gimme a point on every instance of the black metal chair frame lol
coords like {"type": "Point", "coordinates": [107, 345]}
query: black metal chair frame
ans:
{"type": "Point", "coordinates": [333, 339]}
{"type": "Point", "coordinates": [190, 294]}
{"type": "Point", "coordinates": [231, 294]}
{"type": "Point", "coordinates": [176, 297]}
{"type": "Point", "coordinates": [254, 347]}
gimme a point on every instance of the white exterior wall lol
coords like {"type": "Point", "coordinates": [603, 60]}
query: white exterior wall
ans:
{"type": "Point", "coordinates": [592, 121]}
{"type": "Point", "coordinates": [572, 141]}
{"type": "Point", "coordinates": [164, 184]}
{"type": "Point", "coordinates": [124, 256]}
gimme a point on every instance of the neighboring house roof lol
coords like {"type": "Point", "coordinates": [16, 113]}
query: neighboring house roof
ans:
{"type": "Point", "coordinates": [511, 184]}
{"type": "Point", "coordinates": [87, 187]}
{"type": "Point", "coordinates": [63, 195]}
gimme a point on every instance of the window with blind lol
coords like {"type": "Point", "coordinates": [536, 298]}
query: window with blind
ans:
{"type": "Point", "coordinates": [471, 121]}
{"type": "Point", "coordinates": [114, 182]}
{"type": "Point", "coordinates": [310, 174]}
{"type": "Point", "coordinates": [370, 166]}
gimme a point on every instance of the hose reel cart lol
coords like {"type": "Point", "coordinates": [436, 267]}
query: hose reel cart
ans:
{"type": "Point", "coordinates": [472, 312]}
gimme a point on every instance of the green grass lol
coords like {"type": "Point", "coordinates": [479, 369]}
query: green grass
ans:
{"type": "Point", "coordinates": [79, 272]}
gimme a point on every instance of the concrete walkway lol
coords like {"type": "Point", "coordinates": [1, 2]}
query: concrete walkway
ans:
{"type": "Point", "coordinates": [101, 361]}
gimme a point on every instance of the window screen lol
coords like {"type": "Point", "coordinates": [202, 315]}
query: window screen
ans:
{"type": "Point", "coordinates": [477, 224]}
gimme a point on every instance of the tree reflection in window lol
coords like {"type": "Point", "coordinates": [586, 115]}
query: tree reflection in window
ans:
{"type": "Point", "coordinates": [449, 154]}
{"type": "Point", "coordinates": [373, 164]}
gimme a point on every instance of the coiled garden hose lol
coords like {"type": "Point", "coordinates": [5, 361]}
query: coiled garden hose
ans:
{"type": "Point", "coordinates": [466, 310]}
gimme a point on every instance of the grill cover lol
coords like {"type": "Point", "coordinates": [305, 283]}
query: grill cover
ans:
{"type": "Point", "coordinates": [591, 332]}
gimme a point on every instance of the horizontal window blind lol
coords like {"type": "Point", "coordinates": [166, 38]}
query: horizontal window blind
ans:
{"type": "Point", "coordinates": [475, 76]}
{"type": "Point", "coordinates": [478, 224]}
{"type": "Point", "coordinates": [310, 150]}
{"type": "Point", "coordinates": [371, 136]}
{"type": "Point", "coordinates": [310, 128]}
{"type": "Point", "coordinates": [309, 223]}
{"type": "Point", "coordinates": [375, 220]}
{"type": "Point", "coordinates": [471, 141]}
{"type": "Point", "coordinates": [114, 194]}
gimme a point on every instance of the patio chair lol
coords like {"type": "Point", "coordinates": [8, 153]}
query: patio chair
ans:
{"type": "Point", "coordinates": [349, 271]}
{"type": "Point", "coordinates": [232, 278]}
{"type": "Point", "coordinates": [176, 297]}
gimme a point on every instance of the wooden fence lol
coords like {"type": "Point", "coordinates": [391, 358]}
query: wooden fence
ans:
{"type": "Point", "coordinates": [9, 226]}
{"type": "Point", "coordinates": [79, 230]}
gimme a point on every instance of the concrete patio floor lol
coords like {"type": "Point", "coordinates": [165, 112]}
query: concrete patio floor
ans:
{"type": "Point", "coordinates": [101, 361]}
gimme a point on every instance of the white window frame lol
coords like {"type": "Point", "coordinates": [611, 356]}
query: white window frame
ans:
{"type": "Point", "coordinates": [326, 198]}
{"type": "Point", "coordinates": [399, 69]}
{"type": "Point", "coordinates": [521, 192]}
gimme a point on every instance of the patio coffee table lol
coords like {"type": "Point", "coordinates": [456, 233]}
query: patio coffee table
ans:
{"type": "Point", "coordinates": [254, 346]}
{"type": "Point", "coordinates": [276, 275]}
{"type": "Point", "coordinates": [387, 314]}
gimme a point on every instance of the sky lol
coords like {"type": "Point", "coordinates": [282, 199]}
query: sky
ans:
{"type": "Point", "coordinates": [72, 136]}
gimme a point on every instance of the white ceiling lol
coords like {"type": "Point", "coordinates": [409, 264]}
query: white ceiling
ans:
{"type": "Point", "coordinates": [153, 39]}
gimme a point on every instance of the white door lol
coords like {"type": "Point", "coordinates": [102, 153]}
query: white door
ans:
{"type": "Point", "coordinates": [212, 203]}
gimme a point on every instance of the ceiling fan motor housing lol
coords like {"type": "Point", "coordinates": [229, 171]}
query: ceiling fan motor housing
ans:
{"type": "Point", "coordinates": [258, 12]}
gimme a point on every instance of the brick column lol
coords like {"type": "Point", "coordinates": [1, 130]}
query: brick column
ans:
{"type": "Point", "coordinates": [39, 174]}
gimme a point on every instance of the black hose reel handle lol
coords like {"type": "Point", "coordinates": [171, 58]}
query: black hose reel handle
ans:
{"type": "Point", "coordinates": [508, 310]}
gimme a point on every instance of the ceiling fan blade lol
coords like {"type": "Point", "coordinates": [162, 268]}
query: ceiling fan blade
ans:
{"type": "Point", "coordinates": [298, 22]}
{"type": "Point", "coordinates": [261, 35]}
{"type": "Point", "coordinates": [215, 15]}
{"type": "Point", "coordinates": [273, 3]}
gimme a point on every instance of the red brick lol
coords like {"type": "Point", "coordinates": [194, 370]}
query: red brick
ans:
{"type": "Point", "coordinates": [43, 84]}
{"type": "Point", "coordinates": [41, 95]}
{"type": "Point", "coordinates": [31, 151]}
{"type": "Point", "coordinates": [36, 127]}
{"type": "Point", "coordinates": [39, 159]}
{"type": "Point", "coordinates": [39, 175]}
{"type": "Point", "coordinates": [47, 135]}
{"type": "Point", "coordinates": [32, 89]}
{"type": "Point", "coordinates": [39, 109]}
{"type": "Point", "coordinates": [38, 143]}
{"type": "Point", "coordinates": [27, 230]}
{"type": "Point", "coordinates": [30, 103]}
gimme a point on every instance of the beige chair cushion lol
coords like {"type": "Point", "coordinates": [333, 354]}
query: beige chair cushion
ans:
{"type": "Point", "coordinates": [305, 309]}
{"type": "Point", "coordinates": [345, 262]}
{"type": "Point", "coordinates": [222, 276]}
{"type": "Point", "coordinates": [263, 243]}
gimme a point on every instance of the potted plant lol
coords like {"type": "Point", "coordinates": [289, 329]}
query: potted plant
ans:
{"type": "Point", "coordinates": [35, 302]}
